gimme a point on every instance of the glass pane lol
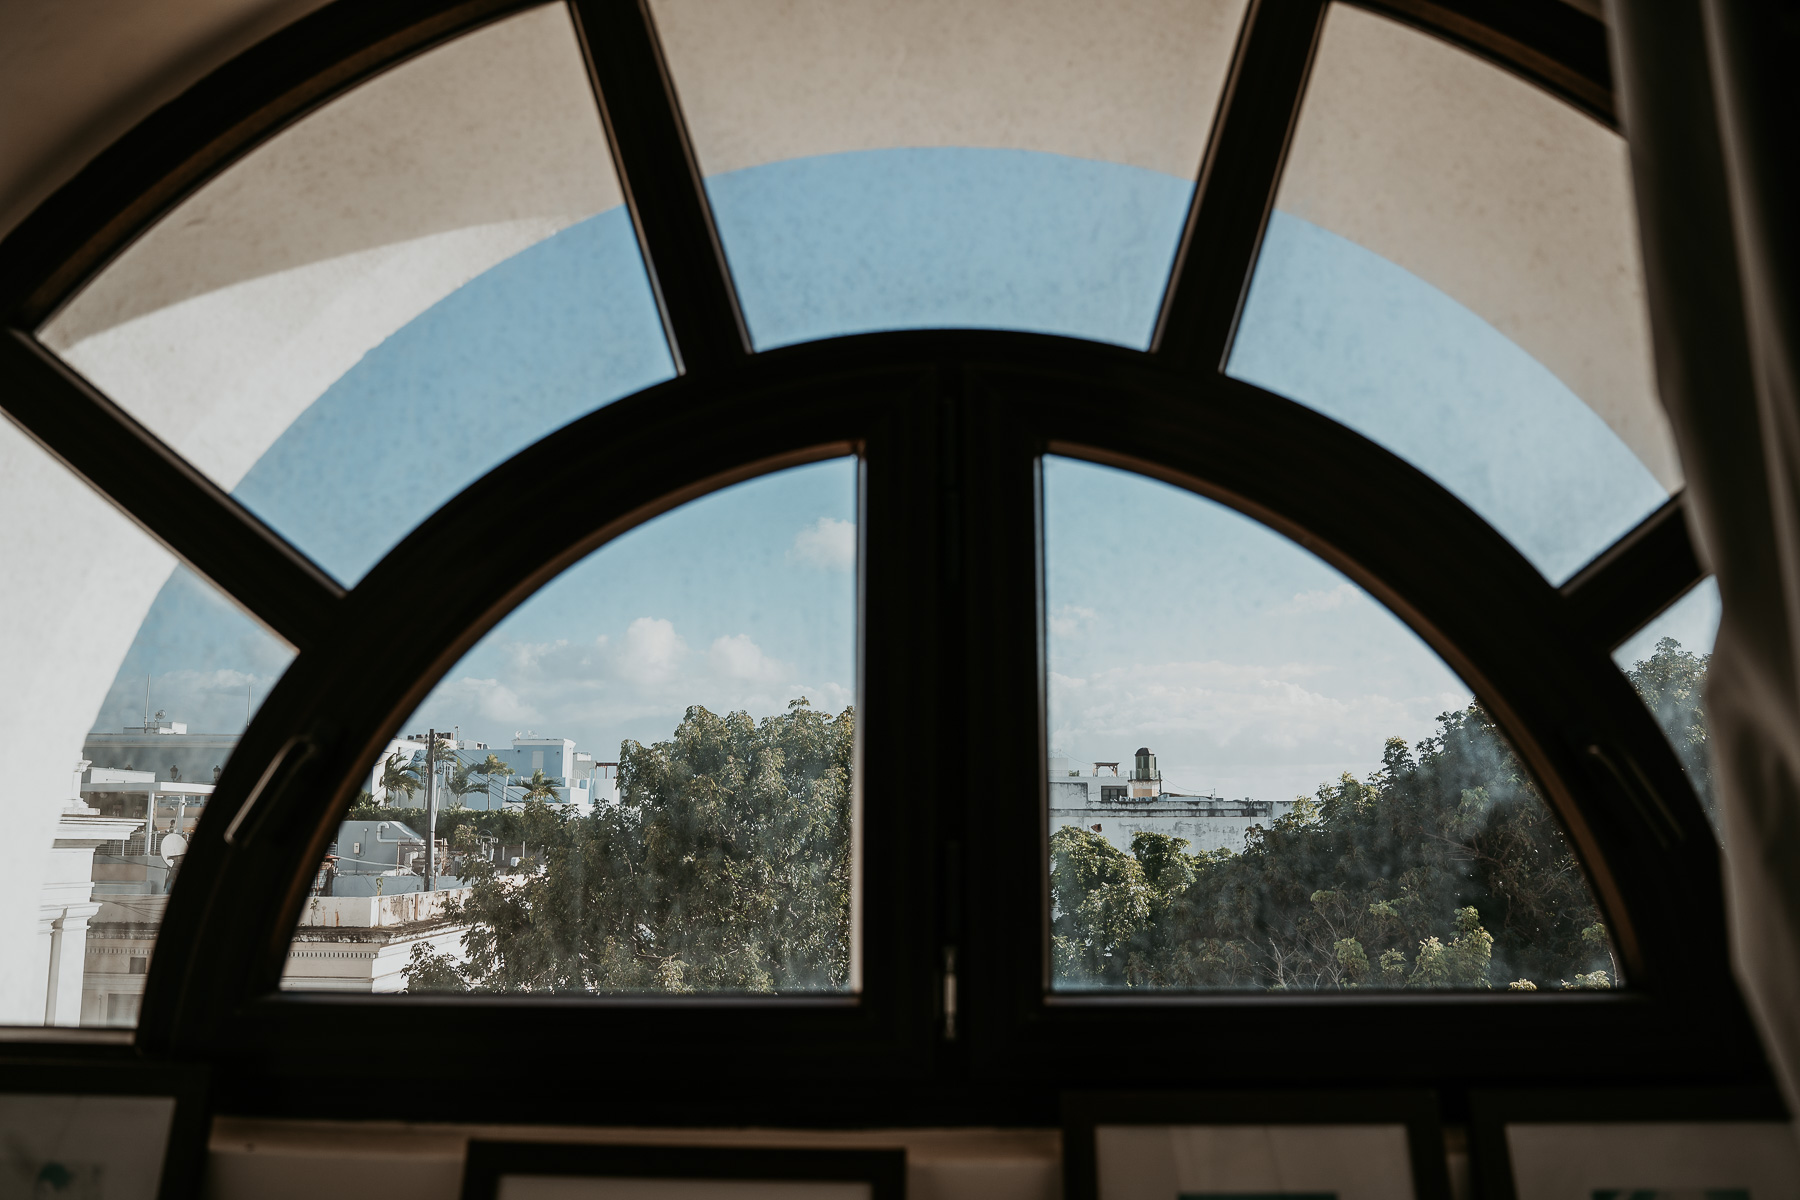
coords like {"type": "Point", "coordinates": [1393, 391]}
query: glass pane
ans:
{"type": "Point", "coordinates": [900, 166]}
{"type": "Point", "coordinates": [639, 788]}
{"type": "Point", "coordinates": [128, 681]}
{"type": "Point", "coordinates": [1666, 661]}
{"type": "Point", "coordinates": [1452, 270]}
{"type": "Point", "coordinates": [1261, 779]}
{"type": "Point", "coordinates": [375, 307]}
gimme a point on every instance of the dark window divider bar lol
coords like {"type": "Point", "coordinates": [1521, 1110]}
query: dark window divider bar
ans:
{"type": "Point", "coordinates": [163, 493]}
{"type": "Point", "coordinates": [661, 181]}
{"type": "Point", "coordinates": [1550, 42]}
{"type": "Point", "coordinates": [1237, 184]}
{"type": "Point", "coordinates": [1639, 576]}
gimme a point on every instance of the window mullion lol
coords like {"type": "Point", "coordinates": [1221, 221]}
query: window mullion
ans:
{"type": "Point", "coordinates": [1237, 183]}
{"type": "Point", "coordinates": [157, 488]}
{"type": "Point", "coordinates": [1642, 574]}
{"type": "Point", "coordinates": [1002, 942]}
{"type": "Point", "coordinates": [661, 181]}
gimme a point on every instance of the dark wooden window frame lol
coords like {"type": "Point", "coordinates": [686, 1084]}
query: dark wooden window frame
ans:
{"type": "Point", "coordinates": [950, 427]}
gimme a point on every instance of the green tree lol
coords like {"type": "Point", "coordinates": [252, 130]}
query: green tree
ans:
{"type": "Point", "coordinates": [398, 775]}
{"type": "Point", "coordinates": [540, 787]}
{"type": "Point", "coordinates": [1672, 682]}
{"type": "Point", "coordinates": [462, 781]}
{"type": "Point", "coordinates": [1440, 868]}
{"type": "Point", "coordinates": [725, 866]}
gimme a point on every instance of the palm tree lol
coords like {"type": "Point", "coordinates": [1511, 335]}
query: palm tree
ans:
{"type": "Point", "coordinates": [540, 787]}
{"type": "Point", "coordinates": [491, 765]}
{"type": "Point", "coordinates": [399, 775]}
{"type": "Point", "coordinates": [461, 784]}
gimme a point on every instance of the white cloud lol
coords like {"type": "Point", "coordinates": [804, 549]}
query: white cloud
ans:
{"type": "Point", "coordinates": [738, 657]}
{"type": "Point", "coordinates": [652, 651]}
{"type": "Point", "coordinates": [588, 690]}
{"type": "Point", "coordinates": [827, 544]}
{"type": "Point", "coordinates": [488, 699]}
{"type": "Point", "coordinates": [1069, 619]}
{"type": "Point", "coordinates": [1322, 600]}
{"type": "Point", "coordinates": [1199, 715]}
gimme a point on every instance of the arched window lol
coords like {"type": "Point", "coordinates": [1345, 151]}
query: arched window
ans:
{"type": "Point", "coordinates": [889, 544]}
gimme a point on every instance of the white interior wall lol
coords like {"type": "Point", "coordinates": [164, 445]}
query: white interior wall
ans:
{"type": "Point", "coordinates": [78, 580]}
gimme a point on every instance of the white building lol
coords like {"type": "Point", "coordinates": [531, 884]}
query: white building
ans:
{"type": "Point", "coordinates": [67, 907]}
{"type": "Point", "coordinates": [1116, 806]}
{"type": "Point", "coordinates": [364, 943]}
{"type": "Point", "coordinates": [574, 774]}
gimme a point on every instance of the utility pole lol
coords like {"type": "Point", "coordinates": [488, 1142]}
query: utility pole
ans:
{"type": "Point", "coordinates": [430, 810]}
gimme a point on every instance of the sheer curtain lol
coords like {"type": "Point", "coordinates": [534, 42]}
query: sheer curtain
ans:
{"type": "Point", "coordinates": [1707, 91]}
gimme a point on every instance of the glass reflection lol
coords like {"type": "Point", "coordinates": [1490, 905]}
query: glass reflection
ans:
{"type": "Point", "coordinates": [1667, 661]}
{"type": "Point", "coordinates": [129, 681]}
{"type": "Point", "coordinates": [1264, 780]}
{"type": "Point", "coordinates": [640, 781]}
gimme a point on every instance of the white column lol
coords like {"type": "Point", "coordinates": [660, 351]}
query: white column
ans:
{"type": "Point", "coordinates": [68, 960]}
{"type": "Point", "coordinates": [48, 937]}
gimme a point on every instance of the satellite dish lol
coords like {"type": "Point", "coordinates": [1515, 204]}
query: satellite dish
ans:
{"type": "Point", "coordinates": [173, 845]}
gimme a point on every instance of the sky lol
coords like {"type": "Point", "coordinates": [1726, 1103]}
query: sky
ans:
{"type": "Point", "coordinates": [1249, 667]}
{"type": "Point", "coordinates": [741, 600]}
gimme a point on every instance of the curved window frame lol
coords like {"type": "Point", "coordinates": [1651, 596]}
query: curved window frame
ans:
{"type": "Point", "coordinates": [955, 1022]}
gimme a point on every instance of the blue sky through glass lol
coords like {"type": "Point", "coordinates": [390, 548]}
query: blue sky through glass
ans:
{"type": "Point", "coordinates": [743, 599]}
{"type": "Point", "coordinates": [949, 237]}
{"type": "Point", "coordinates": [739, 600]}
{"type": "Point", "coordinates": [522, 349]}
{"type": "Point", "coordinates": [1245, 663]}
{"type": "Point", "coordinates": [1692, 620]}
{"type": "Point", "coordinates": [1347, 332]}
{"type": "Point", "coordinates": [198, 657]}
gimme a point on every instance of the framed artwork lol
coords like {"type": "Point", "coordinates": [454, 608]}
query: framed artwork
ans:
{"type": "Point", "coordinates": [1642, 1144]}
{"type": "Point", "coordinates": [1350, 1145]}
{"type": "Point", "coordinates": [101, 1129]}
{"type": "Point", "coordinates": [555, 1171]}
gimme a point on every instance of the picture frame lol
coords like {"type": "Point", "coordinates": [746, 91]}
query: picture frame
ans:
{"type": "Point", "coordinates": [564, 1171]}
{"type": "Point", "coordinates": [139, 1125]}
{"type": "Point", "coordinates": [1240, 1144]}
{"type": "Point", "coordinates": [1657, 1143]}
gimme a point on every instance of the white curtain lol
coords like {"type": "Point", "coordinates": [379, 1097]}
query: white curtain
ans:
{"type": "Point", "coordinates": [1707, 92]}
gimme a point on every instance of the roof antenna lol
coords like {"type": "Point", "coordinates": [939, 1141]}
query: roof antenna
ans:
{"type": "Point", "coordinates": [146, 702]}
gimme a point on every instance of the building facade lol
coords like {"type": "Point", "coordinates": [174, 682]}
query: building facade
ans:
{"type": "Point", "coordinates": [1118, 805]}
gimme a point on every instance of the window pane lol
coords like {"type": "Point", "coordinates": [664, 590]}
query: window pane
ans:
{"type": "Point", "coordinates": [372, 309]}
{"type": "Point", "coordinates": [642, 778]}
{"type": "Point", "coordinates": [128, 681]}
{"type": "Point", "coordinates": [882, 166]}
{"type": "Point", "coordinates": [1666, 661]}
{"type": "Point", "coordinates": [1262, 779]}
{"type": "Point", "coordinates": [1452, 270]}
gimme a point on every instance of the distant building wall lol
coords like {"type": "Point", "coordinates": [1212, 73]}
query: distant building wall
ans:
{"type": "Point", "coordinates": [194, 755]}
{"type": "Point", "coordinates": [1206, 822]}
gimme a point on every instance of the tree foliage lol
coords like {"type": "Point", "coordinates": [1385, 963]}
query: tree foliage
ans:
{"type": "Point", "coordinates": [724, 866]}
{"type": "Point", "coordinates": [1443, 869]}
{"type": "Point", "coordinates": [1672, 682]}
{"type": "Point", "coordinates": [399, 776]}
